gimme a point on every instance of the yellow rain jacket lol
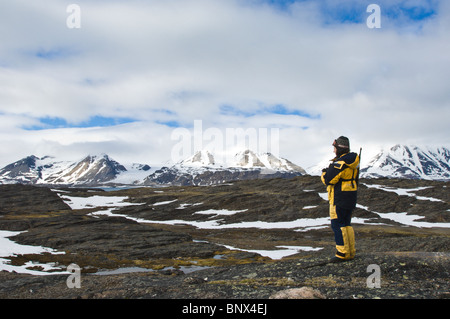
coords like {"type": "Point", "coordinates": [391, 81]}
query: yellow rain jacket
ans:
{"type": "Point", "coordinates": [341, 181]}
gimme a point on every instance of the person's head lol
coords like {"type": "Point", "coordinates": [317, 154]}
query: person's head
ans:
{"type": "Point", "coordinates": [341, 146]}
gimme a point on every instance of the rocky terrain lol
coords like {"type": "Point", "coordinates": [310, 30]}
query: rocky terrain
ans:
{"type": "Point", "coordinates": [221, 242]}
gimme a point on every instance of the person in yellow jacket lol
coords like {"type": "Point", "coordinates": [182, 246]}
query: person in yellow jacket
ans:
{"type": "Point", "coordinates": [341, 179]}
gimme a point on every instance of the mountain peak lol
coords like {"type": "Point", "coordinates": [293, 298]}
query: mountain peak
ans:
{"type": "Point", "coordinates": [246, 159]}
{"type": "Point", "coordinates": [200, 158]}
{"type": "Point", "coordinates": [410, 161]}
{"type": "Point", "coordinates": [96, 157]}
{"type": "Point", "coordinates": [23, 170]}
{"type": "Point", "coordinates": [203, 169]}
{"type": "Point", "coordinates": [92, 169]}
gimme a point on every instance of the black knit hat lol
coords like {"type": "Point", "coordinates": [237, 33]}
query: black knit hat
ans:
{"type": "Point", "coordinates": [342, 142]}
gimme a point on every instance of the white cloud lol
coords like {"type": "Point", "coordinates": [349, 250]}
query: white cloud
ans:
{"type": "Point", "coordinates": [179, 61]}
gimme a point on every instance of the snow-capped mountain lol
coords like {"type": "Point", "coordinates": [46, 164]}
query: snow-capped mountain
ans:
{"type": "Point", "coordinates": [24, 171]}
{"type": "Point", "coordinates": [265, 161]}
{"type": "Point", "coordinates": [199, 169]}
{"type": "Point", "coordinates": [200, 159]}
{"type": "Point", "coordinates": [91, 170]}
{"type": "Point", "coordinates": [413, 162]}
{"type": "Point", "coordinates": [245, 159]}
{"type": "Point", "coordinates": [203, 169]}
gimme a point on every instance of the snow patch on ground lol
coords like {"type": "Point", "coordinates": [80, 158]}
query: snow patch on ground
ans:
{"type": "Point", "coordinates": [405, 191]}
{"type": "Point", "coordinates": [10, 248]}
{"type": "Point", "coordinates": [277, 253]}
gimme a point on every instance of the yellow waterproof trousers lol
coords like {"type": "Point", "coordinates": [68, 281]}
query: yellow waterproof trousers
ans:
{"type": "Point", "coordinates": [344, 234]}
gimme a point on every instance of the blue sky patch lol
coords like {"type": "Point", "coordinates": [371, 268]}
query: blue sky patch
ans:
{"type": "Point", "coordinates": [410, 14]}
{"type": "Point", "coordinates": [53, 54]}
{"type": "Point", "coordinates": [282, 110]}
{"type": "Point", "coordinates": [354, 11]}
{"type": "Point", "coordinates": [95, 121]}
{"type": "Point", "coordinates": [274, 109]}
{"type": "Point", "coordinates": [169, 123]}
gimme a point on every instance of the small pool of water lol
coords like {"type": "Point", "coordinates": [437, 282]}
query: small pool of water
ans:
{"type": "Point", "coordinates": [127, 270]}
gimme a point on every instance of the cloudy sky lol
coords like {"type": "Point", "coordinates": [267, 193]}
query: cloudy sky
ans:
{"type": "Point", "coordinates": [128, 78]}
